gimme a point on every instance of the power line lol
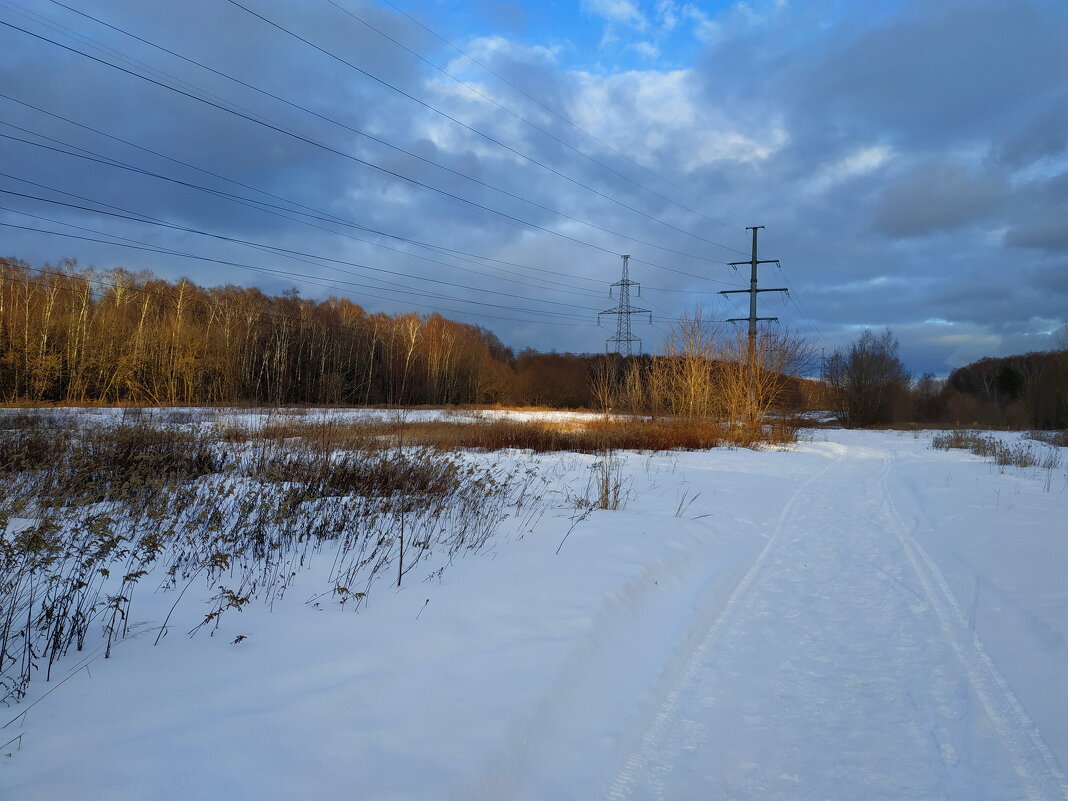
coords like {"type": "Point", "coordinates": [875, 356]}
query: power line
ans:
{"type": "Point", "coordinates": [258, 205]}
{"type": "Point", "coordinates": [104, 49]}
{"type": "Point", "coordinates": [319, 214]}
{"type": "Point", "coordinates": [691, 291]}
{"type": "Point", "coordinates": [285, 252]}
{"type": "Point", "coordinates": [111, 162]}
{"type": "Point", "coordinates": [359, 132]}
{"type": "Point", "coordinates": [503, 215]}
{"type": "Point", "coordinates": [472, 129]}
{"type": "Point", "coordinates": [795, 297]}
{"type": "Point", "coordinates": [286, 274]}
{"type": "Point", "coordinates": [556, 113]}
{"type": "Point", "coordinates": [137, 217]}
{"type": "Point", "coordinates": [310, 280]}
{"type": "Point", "coordinates": [517, 115]}
{"type": "Point", "coordinates": [141, 290]}
{"type": "Point", "coordinates": [545, 284]}
{"type": "Point", "coordinates": [162, 300]}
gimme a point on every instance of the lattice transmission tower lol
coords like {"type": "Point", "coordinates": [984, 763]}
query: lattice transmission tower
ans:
{"type": "Point", "coordinates": [624, 338]}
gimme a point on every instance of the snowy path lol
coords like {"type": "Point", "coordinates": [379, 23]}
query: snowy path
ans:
{"type": "Point", "coordinates": [842, 667]}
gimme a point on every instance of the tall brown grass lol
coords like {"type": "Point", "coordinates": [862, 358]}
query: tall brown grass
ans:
{"type": "Point", "coordinates": [588, 435]}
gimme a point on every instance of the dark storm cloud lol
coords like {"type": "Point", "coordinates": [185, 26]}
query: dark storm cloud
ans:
{"type": "Point", "coordinates": [940, 74]}
{"type": "Point", "coordinates": [1043, 135]}
{"type": "Point", "coordinates": [186, 129]}
{"type": "Point", "coordinates": [934, 196]}
{"type": "Point", "coordinates": [1049, 233]}
{"type": "Point", "coordinates": [1043, 209]}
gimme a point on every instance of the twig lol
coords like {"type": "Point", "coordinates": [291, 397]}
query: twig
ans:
{"type": "Point", "coordinates": [585, 513]}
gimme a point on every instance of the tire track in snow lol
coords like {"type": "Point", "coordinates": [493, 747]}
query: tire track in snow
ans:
{"type": "Point", "coordinates": [635, 766]}
{"type": "Point", "coordinates": [1032, 759]}
{"type": "Point", "coordinates": [559, 738]}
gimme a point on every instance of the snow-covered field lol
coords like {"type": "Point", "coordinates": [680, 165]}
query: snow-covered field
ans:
{"type": "Point", "coordinates": [257, 417]}
{"type": "Point", "coordinates": [856, 617]}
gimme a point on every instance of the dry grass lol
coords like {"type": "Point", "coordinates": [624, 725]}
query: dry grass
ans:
{"type": "Point", "coordinates": [104, 506]}
{"type": "Point", "coordinates": [27, 442]}
{"type": "Point", "coordinates": [1058, 438]}
{"type": "Point", "coordinates": [580, 436]}
{"type": "Point", "coordinates": [1003, 454]}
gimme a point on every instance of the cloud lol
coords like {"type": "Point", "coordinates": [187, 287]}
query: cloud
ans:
{"type": "Point", "coordinates": [657, 118]}
{"type": "Point", "coordinates": [861, 161]}
{"type": "Point", "coordinates": [667, 12]}
{"type": "Point", "coordinates": [1049, 232]}
{"type": "Point", "coordinates": [937, 197]}
{"type": "Point", "coordinates": [1042, 136]}
{"type": "Point", "coordinates": [622, 12]}
{"type": "Point", "coordinates": [933, 73]}
{"type": "Point", "coordinates": [646, 50]}
{"type": "Point", "coordinates": [1039, 219]}
{"type": "Point", "coordinates": [705, 28]}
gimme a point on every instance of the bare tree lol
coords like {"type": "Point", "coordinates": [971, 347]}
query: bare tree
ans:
{"type": "Point", "coordinates": [1060, 339]}
{"type": "Point", "coordinates": [868, 380]}
{"type": "Point", "coordinates": [928, 403]}
{"type": "Point", "coordinates": [633, 395]}
{"type": "Point", "coordinates": [658, 386]}
{"type": "Point", "coordinates": [604, 382]}
{"type": "Point", "coordinates": [754, 377]}
{"type": "Point", "coordinates": [690, 351]}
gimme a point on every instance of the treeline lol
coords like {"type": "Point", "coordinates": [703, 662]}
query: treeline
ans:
{"type": "Point", "coordinates": [869, 386]}
{"type": "Point", "coordinates": [77, 335]}
{"type": "Point", "coordinates": [1025, 391]}
{"type": "Point", "coordinates": [72, 335]}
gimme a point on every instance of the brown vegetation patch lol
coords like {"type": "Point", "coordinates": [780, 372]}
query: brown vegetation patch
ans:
{"type": "Point", "coordinates": [587, 435]}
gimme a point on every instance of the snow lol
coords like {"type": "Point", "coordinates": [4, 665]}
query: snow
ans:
{"type": "Point", "coordinates": [858, 616]}
{"type": "Point", "coordinates": [255, 418]}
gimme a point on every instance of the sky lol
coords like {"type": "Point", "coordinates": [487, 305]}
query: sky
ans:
{"type": "Point", "coordinates": [492, 161]}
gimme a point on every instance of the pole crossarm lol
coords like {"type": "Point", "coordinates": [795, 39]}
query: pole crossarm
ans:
{"type": "Point", "coordinates": [747, 291]}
